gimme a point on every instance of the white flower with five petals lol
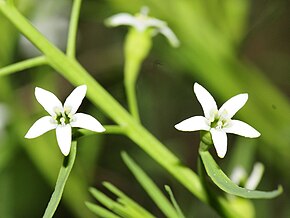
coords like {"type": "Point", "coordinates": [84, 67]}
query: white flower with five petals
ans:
{"type": "Point", "coordinates": [62, 117]}
{"type": "Point", "coordinates": [218, 122]}
{"type": "Point", "coordinates": [142, 22]}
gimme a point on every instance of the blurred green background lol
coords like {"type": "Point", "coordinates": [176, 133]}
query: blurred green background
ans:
{"type": "Point", "coordinates": [228, 46]}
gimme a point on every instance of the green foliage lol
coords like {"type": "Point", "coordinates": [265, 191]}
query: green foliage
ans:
{"type": "Point", "coordinates": [123, 206]}
{"type": "Point", "coordinates": [128, 208]}
{"type": "Point", "coordinates": [61, 181]}
{"type": "Point", "coordinates": [174, 202]}
{"type": "Point", "coordinates": [224, 183]}
{"type": "Point", "coordinates": [153, 191]}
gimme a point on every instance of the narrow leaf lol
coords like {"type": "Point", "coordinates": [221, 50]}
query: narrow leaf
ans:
{"type": "Point", "coordinates": [109, 203]}
{"type": "Point", "coordinates": [152, 190]}
{"type": "Point", "coordinates": [61, 181]}
{"type": "Point", "coordinates": [100, 211]}
{"type": "Point", "coordinates": [174, 202]}
{"type": "Point", "coordinates": [128, 201]}
{"type": "Point", "coordinates": [224, 183]}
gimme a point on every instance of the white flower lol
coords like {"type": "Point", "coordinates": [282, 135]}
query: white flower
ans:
{"type": "Point", "coordinates": [218, 122]}
{"type": "Point", "coordinates": [142, 22]}
{"type": "Point", "coordinates": [239, 176]}
{"type": "Point", "coordinates": [62, 117]}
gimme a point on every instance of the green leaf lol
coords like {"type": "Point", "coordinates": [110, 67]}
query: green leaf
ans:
{"type": "Point", "coordinates": [174, 202]}
{"type": "Point", "coordinates": [224, 183]}
{"type": "Point", "coordinates": [109, 203]}
{"type": "Point", "coordinates": [122, 206]}
{"type": "Point", "coordinates": [152, 190]}
{"type": "Point", "coordinates": [61, 181]}
{"type": "Point", "coordinates": [100, 211]}
{"type": "Point", "coordinates": [127, 201]}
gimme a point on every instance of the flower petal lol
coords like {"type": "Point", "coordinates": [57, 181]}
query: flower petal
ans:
{"type": "Point", "coordinates": [48, 100]}
{"type": "Point", "coordinates": [121, 19]}
{"type": "Point", "coordinates": [40, 127]}
{"type": "Point", "coordinates": [152, 22]}
{"type": "Point", "coordinates": [219, 139]}
{"type": "Point", "coordinates": [74, 100]}
{"type": "Point", "coordinates": [255, 177]}
{"type": "Point", "coordinates": [238, 175]}
{"type": "Point", "coordinates": [193, 124]}
{"type": "Point", "coordinates": [241, 128]}
{"type": "Point", "coordinates": [169, 34]}
{"type": "Point", "coordinates": [63, 136]}
{"type": "Point", "coordinates": [86, 121]}
{"type": "Point", "coordinates": [231, 106]}
{"type": "Point", "coordinates": [206, 100]}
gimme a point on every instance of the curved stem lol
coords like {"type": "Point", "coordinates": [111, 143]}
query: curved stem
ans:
{"type": "Point", "coordinates": [132, 100]}
{"type": "Point", "coordinates": [23, 65]}
{"type": "Point", "coordinates": [61, 181]}
{"type": "Point", "coordinates": [110, 129]}
{"type": "Point", "coordinates": [73, 28]}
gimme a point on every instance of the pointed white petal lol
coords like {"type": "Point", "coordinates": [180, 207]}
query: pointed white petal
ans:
{"type": "Point", "coordinates": [40, 127]}
{"type": "Point", "coordinates": [169, 34]}
{"type": "Point", "coordinates": [63, 136]}
{"type": "Point", "coordinates": [121, 19]}
{"type": "Point", "coordinates": [206, 100]}
{"type": "Point", "coordinates": [48, 100]}
{"type": "Point", "coordinates": [219, 139]}
{"type": "Point", "coordinates": [241, 128]}
{"type": "Point", "coordinates": [153, 22]}
{"type": "Point", "coordinates": [86, 121]}
{"type": "Point", "coordinates": [193, 124]}
{"type": "Point", "coordinates": [255, 177]}
{"type": "Point", "coordinates": [238, 175]}
{"type": "Point", "coordinates": [74, 100]}
{"type": "Point", "coordinates": [231, 106]}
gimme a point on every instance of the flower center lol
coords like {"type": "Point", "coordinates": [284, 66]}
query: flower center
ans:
{"type": "Point", "coordinates": [63, 118]}
{"type": "Point", "coordinates": [219, 120]}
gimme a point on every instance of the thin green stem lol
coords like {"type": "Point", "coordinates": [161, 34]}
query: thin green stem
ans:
{"type": "Point", "coordinates": [174, 202]}
{"type": "Point", "coordinates": [73, 28]}
{"type": "Point", "coordinates": [23, 65]}
{"type": "Point", "coordinates": [110, 129]}
{"type": "Point", "coordinates": [132, 100]}
{"type": "Point", "coordinates": [61, 181]}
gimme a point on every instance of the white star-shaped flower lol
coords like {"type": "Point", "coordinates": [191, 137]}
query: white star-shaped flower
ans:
{"type": "Point", "coordinates": [239, 176]}
{"type": "Point", "coordinates": [62, 117]}
{"type": "Point", "coordinates": [218, 122]}
{"type": "Point", "coordinates": [141, 22]}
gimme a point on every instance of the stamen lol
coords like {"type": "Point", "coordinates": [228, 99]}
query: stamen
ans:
{"type": "Point", "coordinates": [63, 118]}
{"type": "Point", "coordinates": [57, 111]}
{"type": "Point", "coordinates": [62, 121]}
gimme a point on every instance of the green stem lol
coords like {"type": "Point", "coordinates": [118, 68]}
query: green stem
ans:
{"type": "Point", "coordinates": [77, 75]}
{"type": "Point", "coordinates": [110, 129]}
{"type": "Point", "coordinates": [132, 100]}
{"type": "Point", "coordinates": [23, 65]}
{"type": "Point", "coordinates": [174, 202]}
{"type": "Point", "coordinates": [131, 71]}
{"type": "Point", "coordinates": [73, 28]}
{"type": "Point", "coordinates": [61, 181]}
